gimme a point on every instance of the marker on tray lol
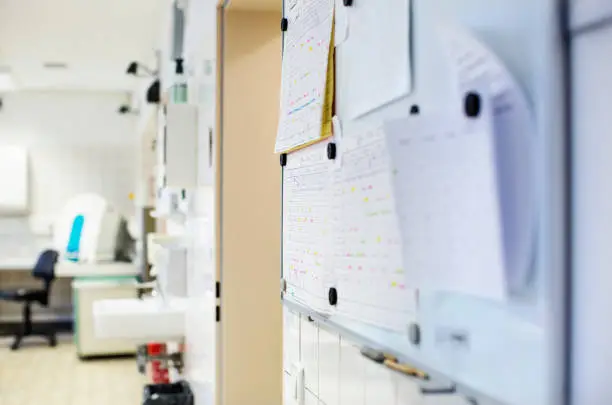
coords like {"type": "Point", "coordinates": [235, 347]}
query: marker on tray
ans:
{"type": "Point", "coordinates": [392, 363]}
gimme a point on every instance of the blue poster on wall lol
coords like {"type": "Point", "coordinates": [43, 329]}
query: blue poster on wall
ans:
{"type": "Point", "coordinates": [74, 242]}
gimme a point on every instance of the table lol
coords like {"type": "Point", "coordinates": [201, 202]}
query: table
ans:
{"type": "Point", "coordinates": [17, 263]}
{"type": "Point", "coordinates": [98, 269]}
{"type": "Point", "coordinates": [66, 269]}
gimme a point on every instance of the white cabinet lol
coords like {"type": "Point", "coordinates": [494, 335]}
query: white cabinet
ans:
{"type": "Point", "coordinates": [181, 146]}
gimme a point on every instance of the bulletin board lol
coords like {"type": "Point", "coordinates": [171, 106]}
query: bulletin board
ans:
{"type": "Point", "coordinates": [424, 231]}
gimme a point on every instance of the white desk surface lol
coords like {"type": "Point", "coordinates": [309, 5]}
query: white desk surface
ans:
{"type": "Point", "coordinates": [17, 263]}
{"type": "Point", "coordinates": [70, 269]}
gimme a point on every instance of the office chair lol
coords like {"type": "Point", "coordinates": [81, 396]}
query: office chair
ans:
{"type": "Point", "coordinates": [44, 270]}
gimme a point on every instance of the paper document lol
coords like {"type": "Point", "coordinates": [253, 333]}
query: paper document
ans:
{"type": "Point", "coordinates": [367, 260]}
{"type": "Point", "coordinates": [305, 73]}
{"type": "Point", "coordinates": [341, 23]}
{"type": "Point", "coordinates": [514, 143]}
{"type": "Point", "coordinates": [445, 187]}
{"type": "Point", "coordinates": [375, 57]}
{"type": "Point", "coordinates": [306, 236]}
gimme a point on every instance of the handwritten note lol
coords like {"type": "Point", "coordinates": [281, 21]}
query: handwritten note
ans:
{"type": "Point", "coordinates": [305, 73]}
{"type": "Point", "coordinates": [376, 56]}
{"type": "Point", "coordinates": [340, 230]}
{"type": "Point", "coordinates": [306, 236]}
{"type": "Point", "coordinates": [367, 261]}
{"type": "Point", "coordinates": [514, 145]}
{"type": "Point", "coordinates": [445, 188]}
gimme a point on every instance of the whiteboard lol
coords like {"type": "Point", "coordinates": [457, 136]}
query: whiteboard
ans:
{"type": "Point", "coordinates": [13, 180]}
{"type": "Point", "coordinates": [523, 335]}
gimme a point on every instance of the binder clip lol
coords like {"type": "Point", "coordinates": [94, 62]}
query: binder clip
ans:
{"type": "Point", "coordinates": [414, 109]}
{"type": "Point", "coordinates": [332, 296]}
{"type": "Point", "coordinates": [348, 3]}
{"type": "Point", "coordinates": [283, 159]}
{"type": "Point", "coordinates": [472, 104]}
{"type": "Point", "coordinates": [284, 24]}
{"type": "Point", "coordinates": [283, 286]}
{"type": "Point", "coordinates": [331, 151]}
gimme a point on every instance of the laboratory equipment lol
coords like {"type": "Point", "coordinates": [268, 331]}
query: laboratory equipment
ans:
{"type": "Point", "coordinates": [87, 230]}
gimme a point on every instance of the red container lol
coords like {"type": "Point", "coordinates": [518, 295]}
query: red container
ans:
{"type": "Point", "coordinates": [159, 374]}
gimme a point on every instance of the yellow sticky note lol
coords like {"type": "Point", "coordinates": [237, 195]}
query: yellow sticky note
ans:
{"type": "Point", "coordinates": [326, 122]}
{"type": "Point", "coordinates": [378, 239]}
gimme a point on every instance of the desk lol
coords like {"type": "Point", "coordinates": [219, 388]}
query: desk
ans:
{"type": "Point", "coordinates": [66, 269]}
{"type": "Point", "coordinates": [17, 263]}
{"type": "Point", "coordinates": [100, 269]}
{"type": "Point", "coordinates": [92, 282]}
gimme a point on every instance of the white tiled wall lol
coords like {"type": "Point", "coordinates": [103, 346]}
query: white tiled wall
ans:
{"type": "Point", "coordinates": [337, 374]}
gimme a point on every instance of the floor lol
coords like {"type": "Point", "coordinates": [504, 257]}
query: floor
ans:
{"type": "Point", "coordinates": [38, 374]}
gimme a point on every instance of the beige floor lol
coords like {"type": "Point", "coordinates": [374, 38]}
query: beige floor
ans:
{"type": "Point", "coordinates": [39, 375]}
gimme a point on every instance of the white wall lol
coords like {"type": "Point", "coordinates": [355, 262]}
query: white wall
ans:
{"type": "Point", "coordinates": [77, 143]}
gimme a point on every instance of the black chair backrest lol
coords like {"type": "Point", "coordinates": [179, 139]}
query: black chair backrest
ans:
{"type": "Point", "coordinates": [45, 267]}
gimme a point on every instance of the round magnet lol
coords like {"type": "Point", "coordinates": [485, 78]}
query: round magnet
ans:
{"type": "Point", "coordinates": [348, 3]}
{"type": "Point", "coordinates": [332, 295]}
{"type": "Point", "coordinates": [472, 104]}
{"type": "Point", "coordinates": [414, 110]}
{"type": "Point", "coordinates": [331, 151]}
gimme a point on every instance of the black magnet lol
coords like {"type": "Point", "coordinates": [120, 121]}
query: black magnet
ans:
{"type": "Point", "coordinates": [332, 295]}
{"type": "Point", "coordinates": [414, 333]}
{"type": "Point", "coordinates": [472, 104]}
{"type": "Point", "coordinates": [283, 159]}
{"type": "Point", "coordinates": [331, 151]}
{"type": "Point", "coordinates": [348, 3]}
{"type": "Point", "coordinates": [414, 110]}
{"type": "Point", "coordinates": [284, 24]}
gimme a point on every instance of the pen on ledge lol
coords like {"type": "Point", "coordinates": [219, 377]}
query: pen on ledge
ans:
{"type": "Point", "coordinates": [376, 355]}
{"type": "Point", "coordinates": [406, 369]}
{"type": "Point", "coordinates": [392, 363]}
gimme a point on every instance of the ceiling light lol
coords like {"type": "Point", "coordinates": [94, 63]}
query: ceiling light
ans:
{"type": "Point", "coordinates": [55, 65]}
{"type": "Point", "coordinates": [7, 82]}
